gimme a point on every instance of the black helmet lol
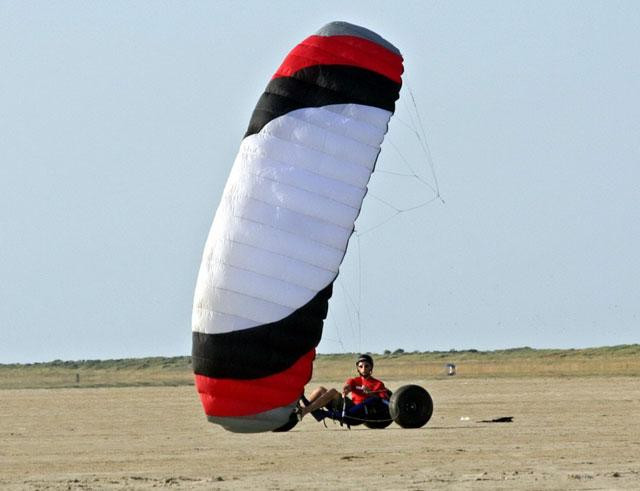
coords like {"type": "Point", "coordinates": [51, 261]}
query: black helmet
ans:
{"type": "Point", "coordinates": [365, 357]}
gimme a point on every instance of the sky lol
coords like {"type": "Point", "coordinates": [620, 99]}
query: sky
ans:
{"type": "Point", "coordinates": [517, 134]}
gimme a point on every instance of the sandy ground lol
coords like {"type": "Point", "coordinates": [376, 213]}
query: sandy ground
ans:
{"type": "Point", "coordinates": [568, 433]}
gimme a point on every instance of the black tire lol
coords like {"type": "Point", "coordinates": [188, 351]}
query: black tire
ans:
{"type": "Point", "coordinates": [378, 416]}
{"type": "Point", "coordinates": [378, 425]}
{"type": "Point", "coordinates": [411, 406]}
{"type": "Point", "coordinates": [293, 420]}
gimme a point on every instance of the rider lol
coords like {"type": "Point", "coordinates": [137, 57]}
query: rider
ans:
{"type": "Point", "coordinates": [364, 385]}
{"type": "Point", "coordinates": [361, 388]}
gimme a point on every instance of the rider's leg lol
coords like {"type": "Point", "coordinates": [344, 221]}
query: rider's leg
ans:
{"type": "Point", "coordinates": [320, 398]}
{"type": "Point", "coordinates": [316, 394]}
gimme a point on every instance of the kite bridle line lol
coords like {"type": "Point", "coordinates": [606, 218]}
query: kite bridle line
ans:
{"type": "Point", "coordinates": [423, 171]}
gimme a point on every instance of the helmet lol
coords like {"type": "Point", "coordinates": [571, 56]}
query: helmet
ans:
{"type": "Point", "coordinates": [365, 357]}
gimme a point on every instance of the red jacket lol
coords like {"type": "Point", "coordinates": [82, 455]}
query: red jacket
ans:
{"type": "Point", "coordinates": [375, 388]}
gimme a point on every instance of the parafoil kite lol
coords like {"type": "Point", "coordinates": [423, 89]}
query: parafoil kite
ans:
{"type": "Point", "coordinates": [283, 224]}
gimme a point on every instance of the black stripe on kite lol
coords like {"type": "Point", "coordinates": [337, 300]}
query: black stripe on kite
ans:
{"type": "Point", "coordinates": [263, 350]}
{"type": "Point", "coordinates": [322, 85]}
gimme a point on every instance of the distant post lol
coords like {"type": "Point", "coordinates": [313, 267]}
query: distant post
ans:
{"type": "Point", "coordinates": [77, 379]}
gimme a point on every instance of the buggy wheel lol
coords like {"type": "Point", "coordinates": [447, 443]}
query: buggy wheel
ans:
{"type": "Point", "coordinates": [411, 406]}
{"type": "Point", "coordinates": [377, 416]}
{"type": "Point", "coordinates": [378, 425]}
{"type": "Point", "coordinates": [293, 420]}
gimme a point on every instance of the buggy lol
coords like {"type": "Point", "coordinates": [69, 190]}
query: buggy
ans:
{"type": "Point", "coordinates": [410, 406]}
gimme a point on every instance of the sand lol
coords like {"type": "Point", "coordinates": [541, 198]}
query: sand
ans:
{"type": "Point", "coordinates": [567, 433]}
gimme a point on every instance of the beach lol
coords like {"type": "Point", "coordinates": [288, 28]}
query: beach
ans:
{"type": "Point", "coordinates": [567, 433]}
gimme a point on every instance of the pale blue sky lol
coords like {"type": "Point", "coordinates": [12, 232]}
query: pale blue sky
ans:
{"type": "Point", "coordinates": [119, 122]}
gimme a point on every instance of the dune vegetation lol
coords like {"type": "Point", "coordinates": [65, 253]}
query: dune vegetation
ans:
{"type": "Point", "coordinates": [621, 360]}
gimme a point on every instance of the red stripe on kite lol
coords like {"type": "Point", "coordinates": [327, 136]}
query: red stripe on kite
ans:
{"type": "Point", "coordinates": [232, 397]}
{"type": "Point", "coordinates": [342, 50]}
